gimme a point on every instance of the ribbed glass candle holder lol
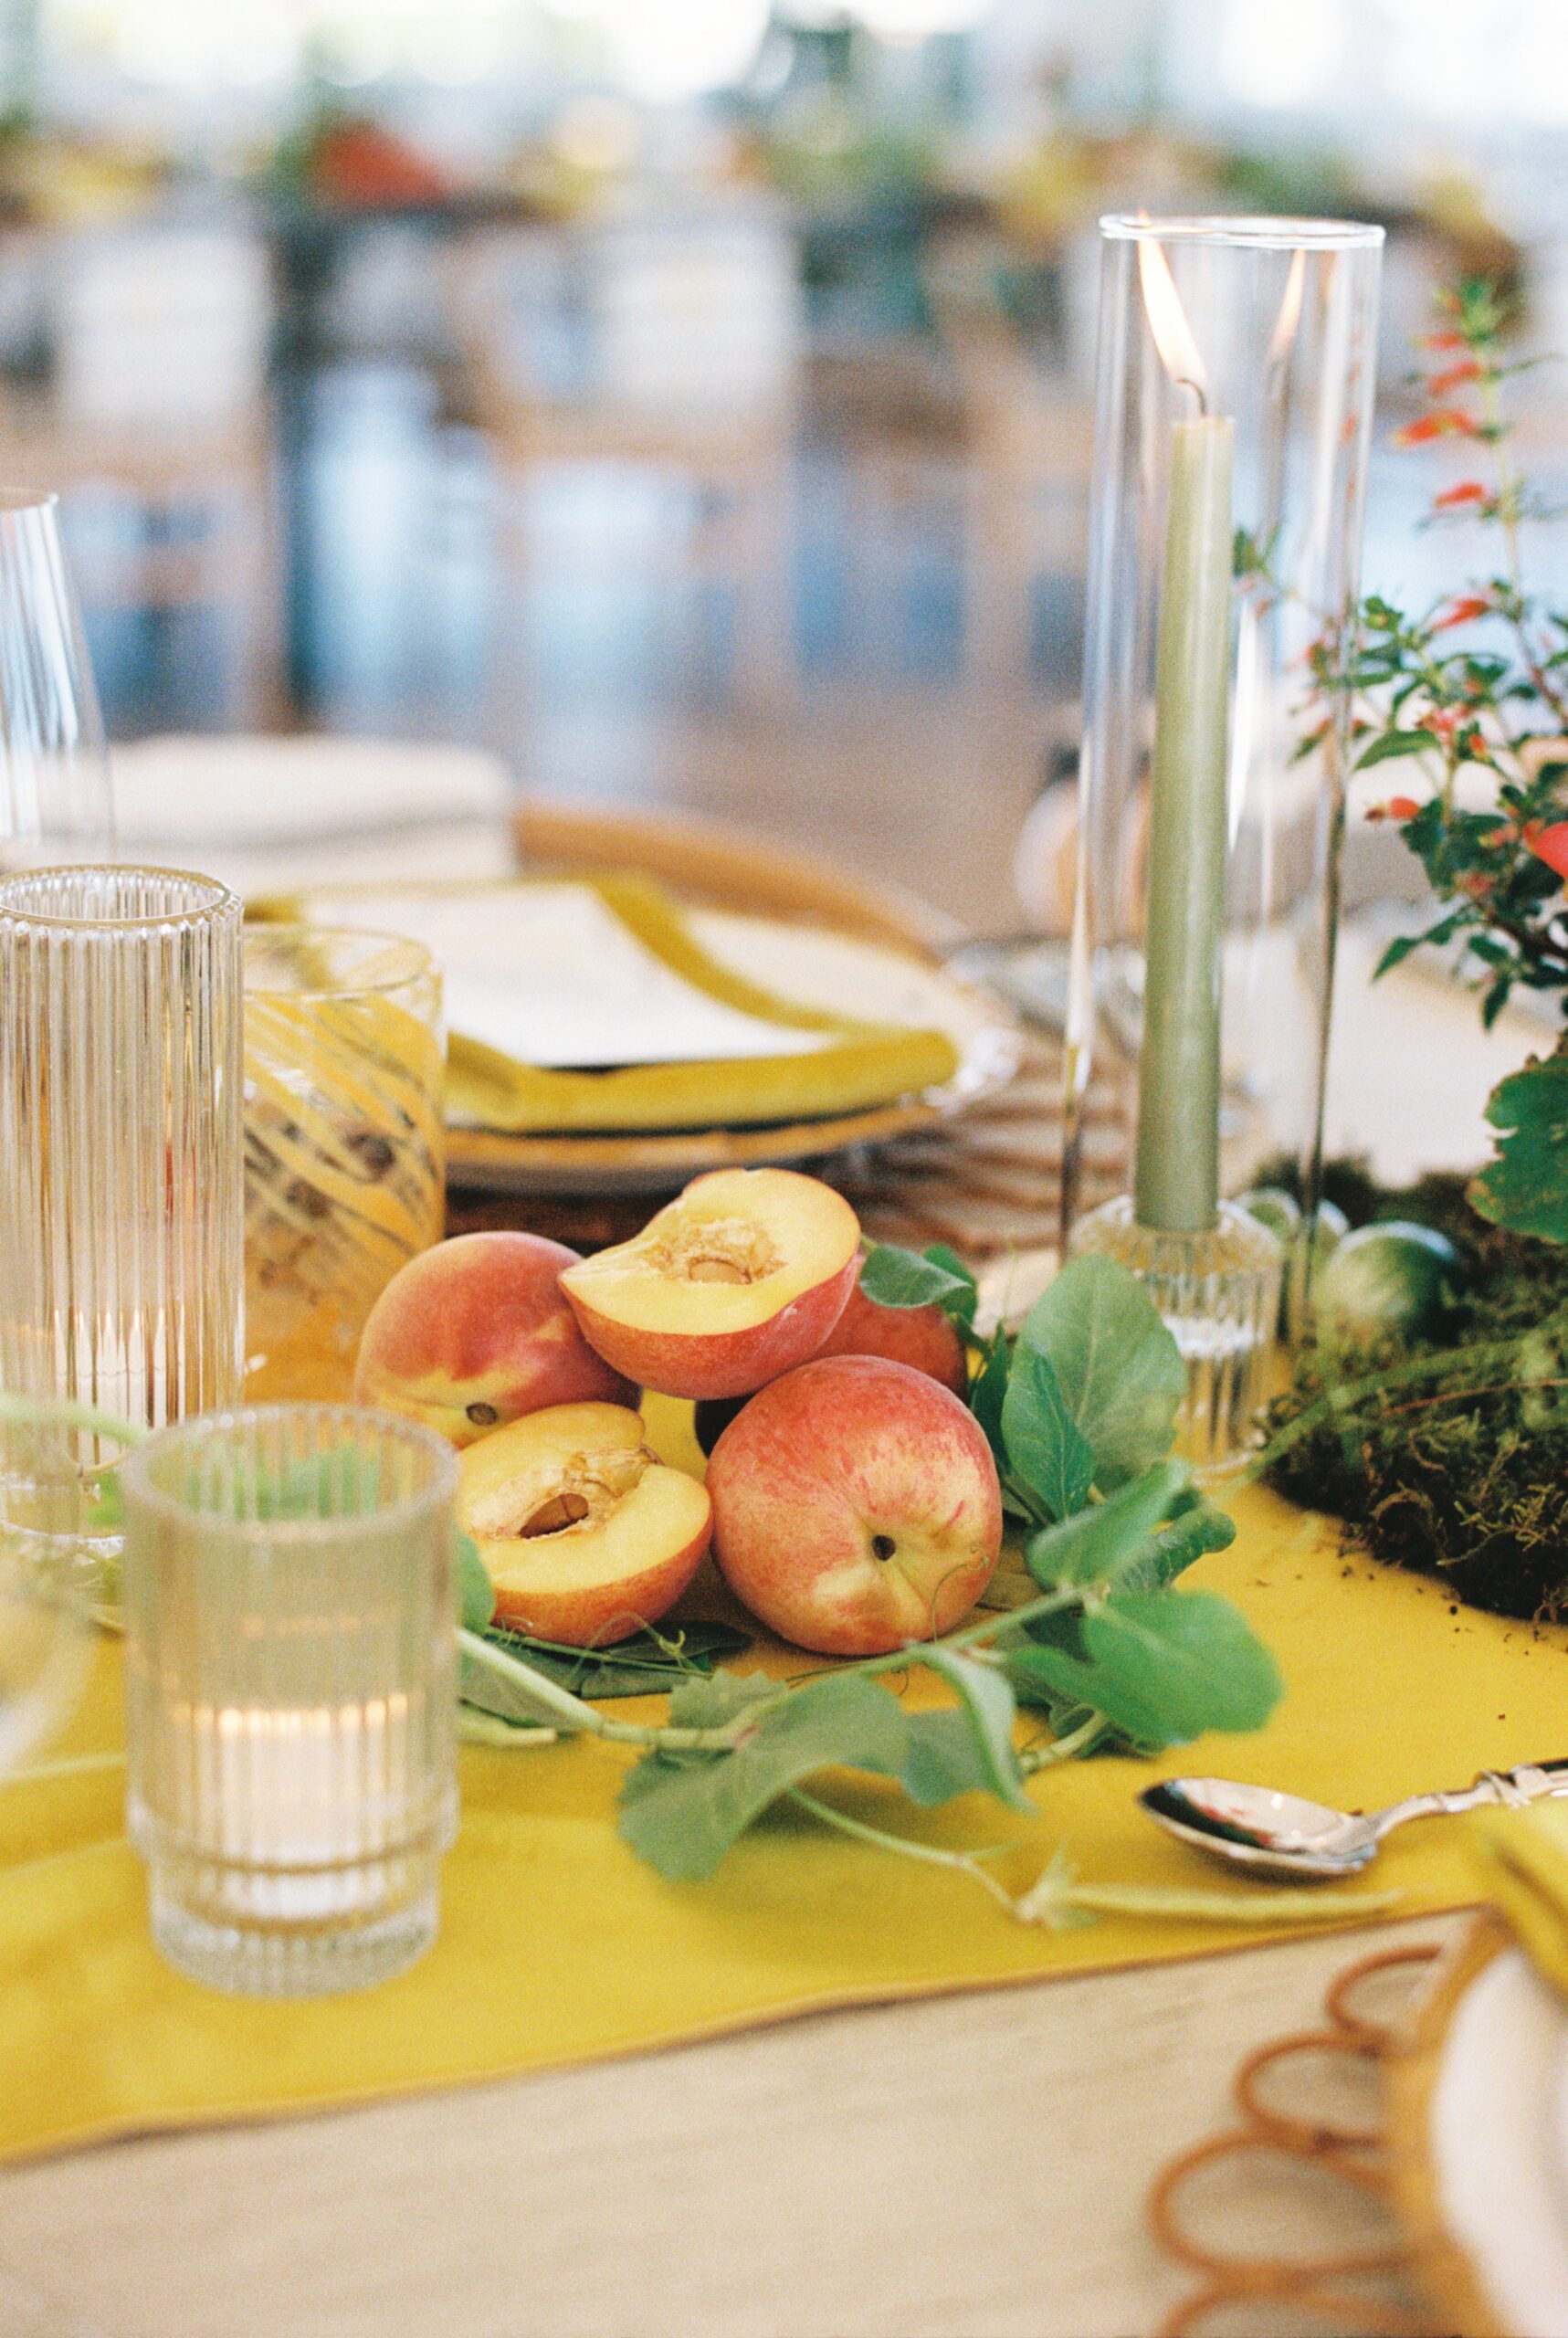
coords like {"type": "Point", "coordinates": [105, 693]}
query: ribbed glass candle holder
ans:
{"type": "Point", "coordinates": [1219, 1294]}
{"type": "Point", "coordinates": [290, 1692]}
{"type": "Point", "coordinates": [121, 1274]}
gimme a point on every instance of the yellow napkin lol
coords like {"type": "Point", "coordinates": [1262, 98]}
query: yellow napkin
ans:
{"type": "Point", "coordinates": [557, 1946]}
{"type": "Point", "coordinates": [858, 1065]}
{"type": "Point", "coordinates": [1523, 1856]}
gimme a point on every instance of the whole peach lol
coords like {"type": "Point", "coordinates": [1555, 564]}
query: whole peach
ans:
{"type": "Point", "coordinates": [855, 1506]}
{"type": "Point", "coordinates": [476, 1333]}
{"type": "Point", "coordinates": [922, 1337]}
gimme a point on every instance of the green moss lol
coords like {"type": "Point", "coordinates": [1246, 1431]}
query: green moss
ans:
{"type": "Point", "coordinates": [1450, 1456]}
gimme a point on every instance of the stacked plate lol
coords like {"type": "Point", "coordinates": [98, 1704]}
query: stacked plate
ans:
{"type": "Point", "coordinates": [606, 1038]}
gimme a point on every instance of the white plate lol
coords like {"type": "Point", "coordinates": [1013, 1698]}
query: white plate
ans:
{"type": "Point", "coordinates": [1479, 2138]}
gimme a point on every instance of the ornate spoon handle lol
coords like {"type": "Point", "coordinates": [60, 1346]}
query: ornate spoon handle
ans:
{"type": "Point", "coordinates": [1530, 1781]}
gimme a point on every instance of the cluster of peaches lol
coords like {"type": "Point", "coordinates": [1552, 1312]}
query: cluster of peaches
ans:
{"type": "Point", "coordinates": [852, 1501]}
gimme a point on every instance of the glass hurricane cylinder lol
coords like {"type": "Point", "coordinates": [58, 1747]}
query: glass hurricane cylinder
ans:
{"type": "Point", "coordinates": [344, 1143]}
{"type": "Point", "coordinates": [120, 1246]}
{"type": "Point", "coordinates": [290, 1621]}
{"type": "Point", "coordinates": [1237, 370]}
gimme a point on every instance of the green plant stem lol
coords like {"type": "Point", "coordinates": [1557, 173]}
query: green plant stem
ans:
{"type": "Point", "coordinates": [584, 1720]}
{"type": "Point", "coordinates": [59, 1412]}
{"type": "Point", "coordinates": [966, 1862]}
{"type": "Point", "coordinates": [1062, 1749]}
{"type": "Point", "coordinates": [1293, 1905]}
{"type": "Point", "coordinates": [477, 1728]}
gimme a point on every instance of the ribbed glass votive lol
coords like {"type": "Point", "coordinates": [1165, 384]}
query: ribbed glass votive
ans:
{"type": "Point", "coordinates": [290, 1692]}
{"type": "Point", "coordinates": [121, 1275]}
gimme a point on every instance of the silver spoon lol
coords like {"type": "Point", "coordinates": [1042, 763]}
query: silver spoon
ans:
{"type": "Point", "coordinates": [1279, 1834]}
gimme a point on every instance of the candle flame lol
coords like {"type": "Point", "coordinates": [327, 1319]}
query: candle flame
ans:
{"type": "Point", "coordinates": [1168, 319]}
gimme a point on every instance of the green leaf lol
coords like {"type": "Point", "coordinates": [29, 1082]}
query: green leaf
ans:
{"type": "Point", "coordinates": [943, 1758]}
{"type": "Point", "coordinates": [988, 1711]}
{"type": "Point", "coordinates": [1389, 745]}
{"type": "Point", "coordinates": [1100, 1543]}
{"type": "Point", "coordinates": [1525, 1188]}
{"type": "Point", "coordinates": [988, 1395]}
{"type": "Point", "coordinates": [1163, 1666]}
{"type": "Point", "coordinates": [507, 1695]}
{"type": "Point", "coordinates": [648, 1664]}
{"type": "Point", "coordinates": [682, 1815]}
{"type": "Point", "coordinates": [1045, 1446]}
{"type": "Point", "coordinates": [712, 1700]}
{"type": "Point", "coordinates": [476, 1592]}
{"type": "Point", "coordinates": [896, 1278]}
{"type": "Point", "coordinates": [1120, 1369]}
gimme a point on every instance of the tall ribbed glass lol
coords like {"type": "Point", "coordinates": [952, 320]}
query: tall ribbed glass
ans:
{"type": "Point", "coordinates": [121, 1271]}
{"type": "Point", "coordinates": [290, 1692]}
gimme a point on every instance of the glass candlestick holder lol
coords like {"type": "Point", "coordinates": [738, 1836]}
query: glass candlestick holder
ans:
{"type": "Point", "coordinates": [1235, 379]}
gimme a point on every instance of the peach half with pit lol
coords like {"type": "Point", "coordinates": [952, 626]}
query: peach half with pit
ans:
{"type": "Point", "coordinates": [476, 1333]}
{"type": "Point", "coordinates": [855, 1506]}
{"type": "Point", "coordinates": [740, 1277]}
{"type": "Point", "coordinates": [585, 1534]}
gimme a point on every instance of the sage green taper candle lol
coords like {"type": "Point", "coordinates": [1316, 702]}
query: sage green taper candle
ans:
{"type": "Point", "coordinates": [1176, 1181]}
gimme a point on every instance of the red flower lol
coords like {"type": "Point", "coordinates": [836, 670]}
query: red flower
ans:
{"type": "Point", "coordinates": [1507, 834]}
{"type": "Point", "coordinates": [1460, 612]}
{"type": "Point", "coordinates": [1402, 807]}
{"type": "Point", "coordinates": [1443, 422]}
{"type": "Point", "coordinates": [1476, 885]}
{"type": "Point", "coordinates": [1441, 340]}
{"type": "Point", "coordinates": [1443, 724]}
{"type": "Point", "coordinates": [1439, 385]}
{"type": "Point", "coordinates": [1469, 490]}
{"type": "Point", "coordinates": [1550, 844]}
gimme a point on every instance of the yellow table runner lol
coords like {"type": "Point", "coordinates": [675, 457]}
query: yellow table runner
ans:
{"type": "Point", "coordinates": [557, 1946]}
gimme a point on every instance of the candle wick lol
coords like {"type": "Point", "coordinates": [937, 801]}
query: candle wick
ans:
{"type": "Point", "coordinates": [1186, 382]}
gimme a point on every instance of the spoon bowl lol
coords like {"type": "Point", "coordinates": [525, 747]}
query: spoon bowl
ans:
{"type": "Point", "coordinates": [1280, 1834]}
{"type": "Point", "coordinates": [1253, 1826]}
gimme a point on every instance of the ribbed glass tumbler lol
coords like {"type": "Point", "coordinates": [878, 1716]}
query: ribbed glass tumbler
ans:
{"type": "Point", "coordinates": [290, 1692]}
{"type": "Point", "coordinates": [122, 1269]}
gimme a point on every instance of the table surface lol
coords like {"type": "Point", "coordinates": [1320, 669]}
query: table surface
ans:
{"type": "Point", "coordinates": [971, 2167]}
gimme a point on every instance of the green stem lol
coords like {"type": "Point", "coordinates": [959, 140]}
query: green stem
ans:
{"type": "Point", "coordinates": [1063, 1749]}
{"type": "Point", "coordinates": [963, 1861]}
{"type": "Point", "coordinates": [477, 1728]}
{"type": "Point", "coordinates": [582, 1719]}
{"type": "Point", "coordinates": [59, 1412]}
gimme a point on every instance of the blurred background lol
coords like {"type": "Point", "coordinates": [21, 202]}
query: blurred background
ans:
{"type": "Point", "coordinates": [687, 401]}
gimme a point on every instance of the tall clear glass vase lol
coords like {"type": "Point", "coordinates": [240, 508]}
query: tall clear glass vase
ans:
{"type": "Point", "coordinates": [121, 1201]}
{"type": "Point", "coordinates": [1236, 371]}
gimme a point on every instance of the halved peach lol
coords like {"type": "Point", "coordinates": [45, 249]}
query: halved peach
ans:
{"type": "Point", "coordinates": [741, 1278]}
{"type": "Point", "coordinates": [585, 1534]}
